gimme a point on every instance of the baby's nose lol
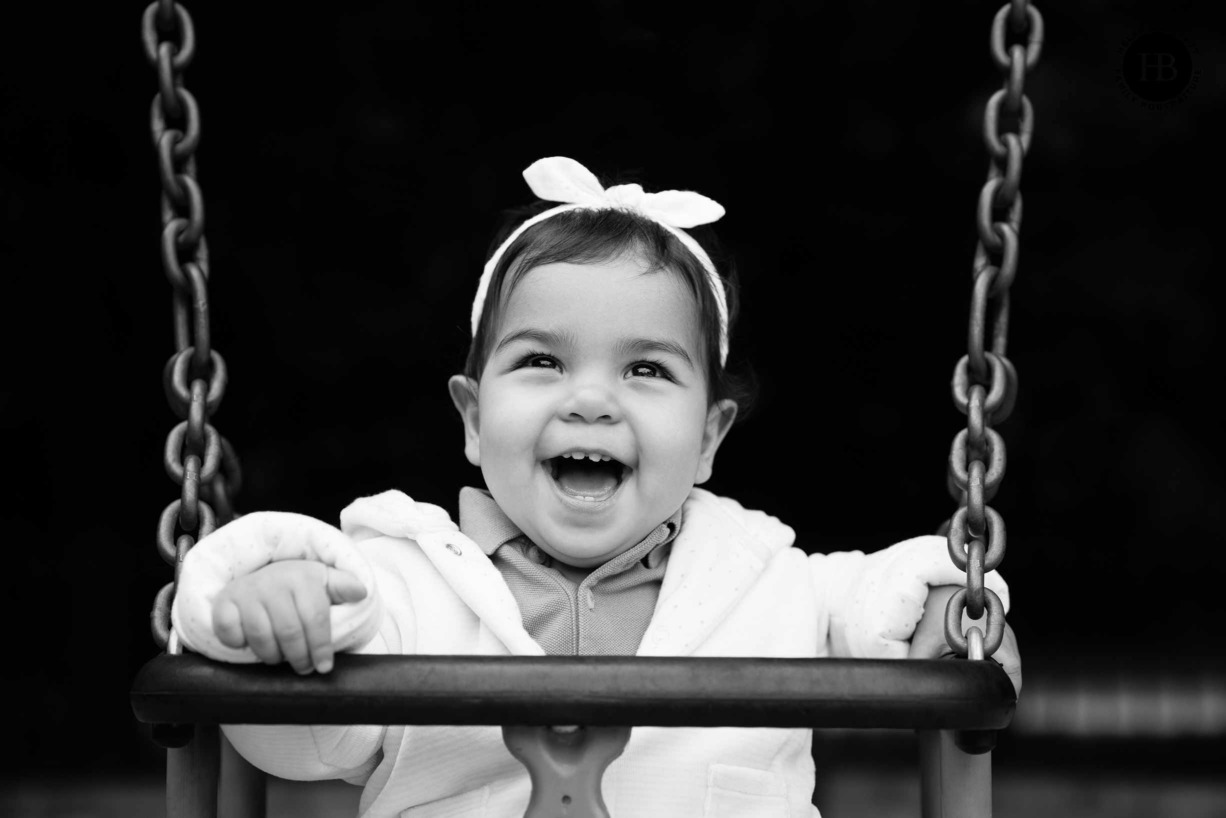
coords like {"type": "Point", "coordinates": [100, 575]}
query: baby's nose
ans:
{"type": "Point", "coordinates": [592, 403]}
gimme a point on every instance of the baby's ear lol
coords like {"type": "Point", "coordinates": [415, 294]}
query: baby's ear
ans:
{"type": "Point", "coordinates": [464, 395]}
{"type": "Point", "coordinates": [719, 420]}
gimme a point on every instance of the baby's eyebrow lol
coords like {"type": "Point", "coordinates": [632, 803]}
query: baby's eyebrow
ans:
{"type": "Point", "coordinates": [638, 346]}
{"type": "Point", "coordinates": [547, 337]}
{"type": "Point", "coordinates": [627, 346]}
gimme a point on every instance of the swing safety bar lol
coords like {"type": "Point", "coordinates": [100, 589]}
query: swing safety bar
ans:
{"type": "Point", "coordinates": [589, 690]}
{"type": "Point", "coordinates": [956, 705]}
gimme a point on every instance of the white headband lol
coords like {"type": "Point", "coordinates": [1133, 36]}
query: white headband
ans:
{"type": "Point", "coordinates": [559, 179]}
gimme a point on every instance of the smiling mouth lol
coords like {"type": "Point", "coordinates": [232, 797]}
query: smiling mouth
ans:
{"type": "Point", "coordinates": [585, 478]}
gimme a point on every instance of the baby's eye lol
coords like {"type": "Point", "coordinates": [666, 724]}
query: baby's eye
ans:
{"type": "Point", "coordinates": [539, 360]}
{"type": "Point", "coordinates": [650, 369]}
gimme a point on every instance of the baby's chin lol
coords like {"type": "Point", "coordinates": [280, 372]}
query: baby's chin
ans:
{"type": "Point", "coordinates": [591, 554]}
{"type": "Point", "coordinates": [588, 558]}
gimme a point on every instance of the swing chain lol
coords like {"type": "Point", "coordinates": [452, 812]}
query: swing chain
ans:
{"type": "Point", "coordinates": [197, 458]}
{"type": "Point", "coordinates": [985, 381]}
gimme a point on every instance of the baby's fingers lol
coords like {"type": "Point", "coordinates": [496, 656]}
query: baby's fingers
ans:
{"type": "Point", "coordinates": [287, 627]}
{"type": "Point", "coordinates": [228, 624]}
{"type": "Point", "coordinates": [315, 614]}
{"type": "Point", "coordinates": [344, 586]}
{"type": "Point", "coordinates": [258, 632]}
{"type": "Point", "coordinates": [1010, 659]}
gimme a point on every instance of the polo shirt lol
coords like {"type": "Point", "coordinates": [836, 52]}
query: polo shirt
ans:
{"type": "Point", "coordinates": [572, 611]}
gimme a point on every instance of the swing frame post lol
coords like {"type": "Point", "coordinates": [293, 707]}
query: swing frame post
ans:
{"type": "Point", "coordinates": [206, 777]}
{"type": "Point", "coordinates": [953, 783]}
{"type": "Point", "coordinates": [241, 790]}
{"type": "Point", "coordinates": [192, 773]}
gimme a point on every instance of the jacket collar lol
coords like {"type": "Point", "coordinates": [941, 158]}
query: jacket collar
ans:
{"type": "Point", "coordinates": [716, 559]}
{"type": "Point", "coordinates": [459, 560]}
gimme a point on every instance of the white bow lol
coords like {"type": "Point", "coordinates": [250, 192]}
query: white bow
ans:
{"type": "Point", "coordinates": [560, 179]}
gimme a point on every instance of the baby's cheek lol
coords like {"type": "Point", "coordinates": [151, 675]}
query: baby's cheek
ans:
{"type": "Point", "coordinates": [505, 430]}
{"type": "Point", "coordinates": [676, 464]}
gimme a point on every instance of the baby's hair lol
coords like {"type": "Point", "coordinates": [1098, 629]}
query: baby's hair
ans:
{"type": "Point", "coordinates": [586, 236]}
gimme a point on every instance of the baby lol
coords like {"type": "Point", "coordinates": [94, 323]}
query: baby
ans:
{"type": "Point", "coordinates": [594, 401]}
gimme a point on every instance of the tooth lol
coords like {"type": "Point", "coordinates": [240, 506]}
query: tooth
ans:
{"type": "Point", "coordinates": [595, 458]}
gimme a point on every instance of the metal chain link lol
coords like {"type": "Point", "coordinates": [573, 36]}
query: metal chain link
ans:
{"type": "Point", "coordinates": [197, 458]}
{"type": "Point", "coordinates": [985, 381]}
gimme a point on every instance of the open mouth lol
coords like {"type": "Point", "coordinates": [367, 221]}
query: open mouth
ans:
{"type": "Point", "coordinates": [587, 476]}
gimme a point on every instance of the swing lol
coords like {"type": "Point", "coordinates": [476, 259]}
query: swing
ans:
{"type": "Point", "coordinates": [956, 706]}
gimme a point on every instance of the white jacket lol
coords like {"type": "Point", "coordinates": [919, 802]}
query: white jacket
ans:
{"type": "Point", "coordinates": [734, 586]}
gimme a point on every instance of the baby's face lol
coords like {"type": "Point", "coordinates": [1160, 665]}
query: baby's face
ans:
{"type": "Point", "coordinates": [590, 422]}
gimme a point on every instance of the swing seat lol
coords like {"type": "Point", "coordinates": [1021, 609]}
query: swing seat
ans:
{"type": "Point", "coordinates": [956, 707]}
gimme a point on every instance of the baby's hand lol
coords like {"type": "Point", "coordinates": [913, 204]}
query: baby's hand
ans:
{"type": "Point", "coordinates": [283, 612]}
{"type": "Point", "coordinates": [928, 641]}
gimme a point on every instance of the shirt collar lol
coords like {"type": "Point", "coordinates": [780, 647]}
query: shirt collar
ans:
{"type": "Point", "coordinates": [486, 524]}
{"type": "Point", "coordinates": [482, 521]}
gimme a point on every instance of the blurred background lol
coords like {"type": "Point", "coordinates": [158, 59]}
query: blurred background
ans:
{"type": "Point", "coordinates": [353, 163]}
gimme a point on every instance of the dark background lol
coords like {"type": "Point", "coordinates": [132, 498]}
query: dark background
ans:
{"type": "Point", "coordinates": [353, 163]}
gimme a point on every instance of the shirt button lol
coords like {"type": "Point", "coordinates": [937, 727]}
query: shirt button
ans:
{"type": "Point", "coordinates": [536, 555]}
{"type": "Point", "coordinates": [455, 549]}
